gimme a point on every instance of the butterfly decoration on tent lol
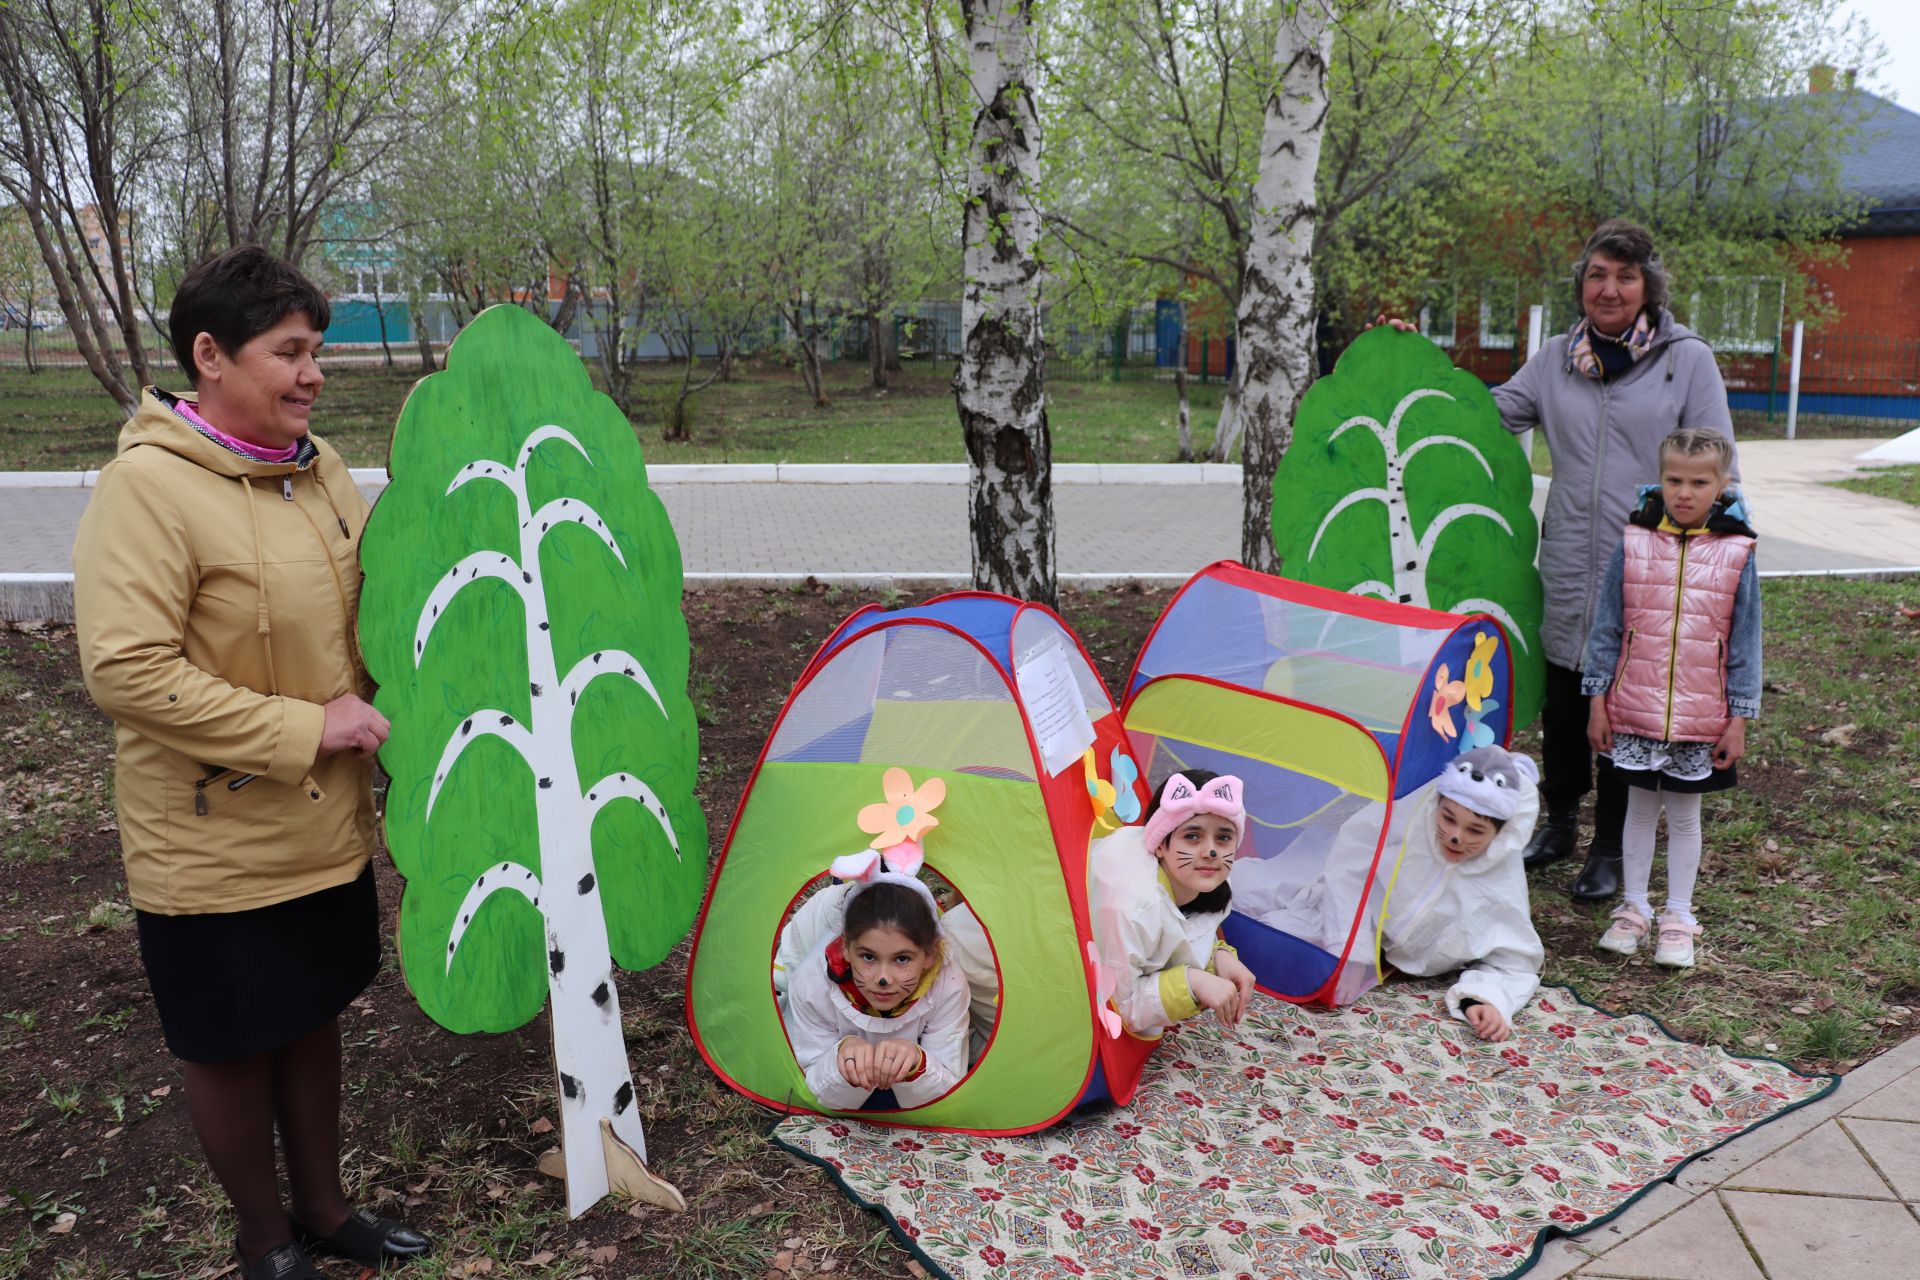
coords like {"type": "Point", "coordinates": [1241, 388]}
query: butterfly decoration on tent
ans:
{"type": "Point", "coordinates": [1115, 803]}
{"type": "Point", "coordinates": [1103, 984]}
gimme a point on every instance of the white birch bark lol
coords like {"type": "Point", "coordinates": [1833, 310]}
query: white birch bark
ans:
{"type": "Point", "coordinates": [1000, 386]}
{"type": "Point", "coordinates": [589, 1044]}
{"type": "Point", "coordinates": [1275, 320]}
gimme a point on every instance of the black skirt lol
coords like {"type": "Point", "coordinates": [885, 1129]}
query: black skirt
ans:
{"type": "Point", "coordinates": [229, 985]}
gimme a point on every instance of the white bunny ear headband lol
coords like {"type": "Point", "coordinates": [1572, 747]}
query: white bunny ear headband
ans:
{"type": "Point", "coordinates": [896, 865]}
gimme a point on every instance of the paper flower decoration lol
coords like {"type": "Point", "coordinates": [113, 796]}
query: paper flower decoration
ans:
{"type": "Point", "coordinates": [1099, 790]}
{"type": "Point", "coordinates": [1478, 734]}
{"type": "Point", "coordinates": [1446, 695]}
{"type": "Point", "coordinates": [1126, 803]}
{"type": "Point", "coordinates": [1103, 992]}
{"type": "Point", "coordinates": [907, 812]}
{"type": "Point", "coordinates": [1479, 675]}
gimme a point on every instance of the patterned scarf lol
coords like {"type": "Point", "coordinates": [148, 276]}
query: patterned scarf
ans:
{"type": "Point", "coordinates": [1580, 353]}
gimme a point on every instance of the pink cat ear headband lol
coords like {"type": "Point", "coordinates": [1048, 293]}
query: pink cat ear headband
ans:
{"type": "Point", "coordinates": [1181, 801]}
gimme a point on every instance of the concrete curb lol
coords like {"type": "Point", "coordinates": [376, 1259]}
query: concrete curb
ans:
{"type": "Point", "coordinates": [1073, 473]}
{"type": "Point", "coordinates": [1065, 473]}
{"type": "Point", "coordinates": [780, 473]}
{"type": "Point", "coordinates": [36, 597]}
{"type": "Point", "coordinates": [47, 598]}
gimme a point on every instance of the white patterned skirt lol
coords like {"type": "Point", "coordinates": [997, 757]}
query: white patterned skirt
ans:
{"type": "Point", "coordinates": [1668, 766]}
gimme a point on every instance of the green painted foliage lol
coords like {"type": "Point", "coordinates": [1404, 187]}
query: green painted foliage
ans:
{"type": "Point", "coordinates": [1401, 483]}
{"type": "Point", "coordinates": [507, 376]}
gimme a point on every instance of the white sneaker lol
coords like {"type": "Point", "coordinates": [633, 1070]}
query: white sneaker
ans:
{"type": "Point", "coordinates": [1624, 935]}
{"type": "Point", "coordinates": [1675, 949]}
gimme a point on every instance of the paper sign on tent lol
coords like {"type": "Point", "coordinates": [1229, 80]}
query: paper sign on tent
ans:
{"type": "Point", "coordinates": [1055, 708]}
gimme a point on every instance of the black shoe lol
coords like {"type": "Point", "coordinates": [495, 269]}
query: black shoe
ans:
{"type": "Point", "coordinates": [368, 1240]}
{"type": "Point", "coordinates": [282, 1262]}
{"type": "Point", "coordinates": [1600, 878]}
{"type": "Point", "coordinates": [1553, 839]}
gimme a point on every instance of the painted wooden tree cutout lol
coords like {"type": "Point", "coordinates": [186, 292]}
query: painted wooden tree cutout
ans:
{"type": "Point", "coordinates": [1353, 512]}
{"type": "Point", "coordinates": [521, 616]}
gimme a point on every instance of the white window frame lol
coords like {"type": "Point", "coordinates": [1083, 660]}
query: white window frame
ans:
{"type": "Point", "coordinates": [1499, 291]}
{"type": "Point", "coordinates": [1759, 296]}
{"type": "Point", "coordinates": [1452, 334]}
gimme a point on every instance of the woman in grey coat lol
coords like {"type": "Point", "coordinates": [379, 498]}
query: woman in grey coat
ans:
{"type": "Point", "coordinates": [1605, 394]}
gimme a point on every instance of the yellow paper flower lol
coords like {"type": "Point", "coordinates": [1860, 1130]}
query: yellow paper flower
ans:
{"type": "Point", "coordinates": [1479, 674]}
{"type": "Point", "coordinates": [907, 811]}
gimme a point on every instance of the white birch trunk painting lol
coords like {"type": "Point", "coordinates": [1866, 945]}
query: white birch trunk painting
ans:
{"type": "Point", "coordinates": [562, 800]}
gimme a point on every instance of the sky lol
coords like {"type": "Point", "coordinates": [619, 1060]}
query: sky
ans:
{"type": "Point", "coordinates": [1897, 23]}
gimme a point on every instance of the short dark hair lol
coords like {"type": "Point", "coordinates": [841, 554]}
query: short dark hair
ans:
{"type": "Point", "coordinates": [893, 906]}
{"type": "Point", "coordinates": [1627, 242]}
{"type": "Point", "coordinates": [235, 297]}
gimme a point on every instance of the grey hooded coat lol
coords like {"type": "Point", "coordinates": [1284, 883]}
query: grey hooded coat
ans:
{"type": "Point", "coordinates": [1605, 441]}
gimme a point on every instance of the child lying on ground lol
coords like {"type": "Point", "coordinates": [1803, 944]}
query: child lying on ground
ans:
{"type": "Point", "coordinates": [876, 1007]}
{"type": "Point", "coordinates": [1159, 893]}
{"type": "Point", "coordinates": [1458, 899]}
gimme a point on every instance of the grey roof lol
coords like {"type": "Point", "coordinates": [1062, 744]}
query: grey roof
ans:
{"type": "Point", "coordinates": [1885, 170]}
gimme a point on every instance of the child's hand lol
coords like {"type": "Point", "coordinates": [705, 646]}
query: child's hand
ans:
{"type": "Point", "coordinates": [1599, 728]}
{"type": "Point", "coordinates": [1229, 966]}
{"type": "Point", "coordinates": [1487, 1022]}
{"type": "Point", "coordinates": [1732, 744]}
{"type": "Point", "coordinates": [856, 1062]}
{"type": "Point", "coordinates": [1216, 993]}
{"type": "Point", "coordinates": [894, 1061]}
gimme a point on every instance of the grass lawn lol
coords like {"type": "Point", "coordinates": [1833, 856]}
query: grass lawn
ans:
{"type": "Point", "coordinates": [1810, 896]}
{"type": "Point", "coordinates": [1901, 483]}
{"type": "Point", "coordinates": [59, 419]}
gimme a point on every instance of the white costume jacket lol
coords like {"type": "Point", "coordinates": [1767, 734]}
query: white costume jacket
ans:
{"type": "Point", "coordinates": [1472, 916]}
{"type": "Point", "coordinates": [1142, 938]}
{"type": "Point", "coordinates": [818, 1016]}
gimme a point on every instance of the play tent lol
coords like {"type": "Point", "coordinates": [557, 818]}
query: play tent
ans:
{"type": "Point", "coordinates": [1338, 712]}
{"type": "Point", "coordinates": [996, 699]}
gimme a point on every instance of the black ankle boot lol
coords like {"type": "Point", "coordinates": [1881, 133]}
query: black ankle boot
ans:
{"type": "Point", "coordinates": [1555, 838]}
{"type": "Point", "coordinates": [1600, 878]}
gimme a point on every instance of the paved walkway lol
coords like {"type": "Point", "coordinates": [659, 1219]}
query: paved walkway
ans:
{"type": "Point", "coordinates": [1155, 523]}
{"type": "Point", "coordinates": [1828, 1192]}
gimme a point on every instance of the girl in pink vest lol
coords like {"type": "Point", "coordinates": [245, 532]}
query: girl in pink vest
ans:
{"type": "Point", "coordinates": [1673, 670]}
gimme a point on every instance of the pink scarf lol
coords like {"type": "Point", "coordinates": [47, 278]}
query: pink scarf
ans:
{"type": "Point", "coordinates": [247, 449]}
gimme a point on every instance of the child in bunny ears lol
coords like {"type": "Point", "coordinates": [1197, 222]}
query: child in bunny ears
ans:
{"type": "Point", "coordinates": [869, 1002]}
{"type": "Point", "coordinates": [1159, 894]}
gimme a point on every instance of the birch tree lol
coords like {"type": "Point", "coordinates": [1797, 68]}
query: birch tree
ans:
{"type": "Point", "coordinates": [1001, 385]}
{"type": "Point", "coordinates": [1276, 316]}
{"type": "Point", "coordinates": [521, 617]}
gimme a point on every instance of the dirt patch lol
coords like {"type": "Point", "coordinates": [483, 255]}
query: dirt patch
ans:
{"type": "Point", "coordinates": [437, 1126]}
{"type": "Point", "coordinates": [104, 1177]}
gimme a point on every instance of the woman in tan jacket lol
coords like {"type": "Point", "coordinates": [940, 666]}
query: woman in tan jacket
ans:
{"type": "Point", "coordinates": [215, 587]}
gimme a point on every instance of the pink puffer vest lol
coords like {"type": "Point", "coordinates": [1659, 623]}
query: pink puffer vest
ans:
{"type": "Point", "coordinates": [1677, 598]}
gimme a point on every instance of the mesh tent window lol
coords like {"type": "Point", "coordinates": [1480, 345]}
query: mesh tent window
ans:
{"type": "Point", "coordinates": [1325, 704]}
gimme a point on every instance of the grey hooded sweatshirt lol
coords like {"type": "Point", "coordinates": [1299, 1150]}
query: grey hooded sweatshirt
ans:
{"type": "Point", "coordinates": [1605, 440]}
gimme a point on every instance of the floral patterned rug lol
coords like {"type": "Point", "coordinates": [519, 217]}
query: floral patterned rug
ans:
{"type": "Point", "coordinates": [1382, 1142]}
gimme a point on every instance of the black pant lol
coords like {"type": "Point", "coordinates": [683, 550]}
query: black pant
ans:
{"type": "Point", "coordinates": [1569, 765]}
